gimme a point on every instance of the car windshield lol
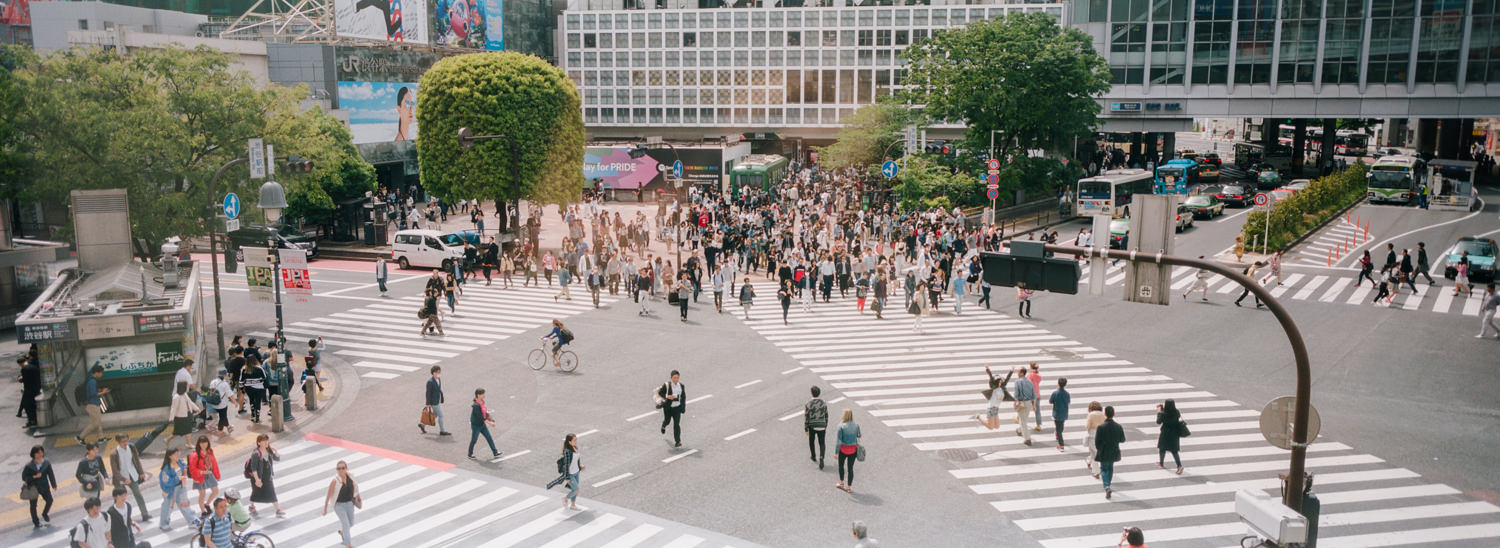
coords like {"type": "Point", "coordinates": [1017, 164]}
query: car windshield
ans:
{"type": "Point", "coordinates": [1231, 189]}
{"type": "Point", "coordinates": [1196, 201]}
{"type": "Point", "coordinates": [1476, 248]}
{"type": "Point", "coordinates": [1122, 225]}
{"type": "Point", "coordinates": [452, 240]}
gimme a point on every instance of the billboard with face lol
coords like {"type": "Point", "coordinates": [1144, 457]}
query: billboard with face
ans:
{"type": "Point", "coordinates": [387, 20]}
{"type": "Point", "coordinates": [380, 112]}
{"type": "Point", "coordinates": [472, 24]}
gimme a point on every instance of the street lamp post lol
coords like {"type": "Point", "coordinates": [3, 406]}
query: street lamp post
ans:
{"type": "Point", "coordinates": [272, 201]}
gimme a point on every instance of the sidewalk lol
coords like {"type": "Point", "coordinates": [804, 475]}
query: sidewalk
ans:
{"type": "Point", "coordinates": [64, 452]}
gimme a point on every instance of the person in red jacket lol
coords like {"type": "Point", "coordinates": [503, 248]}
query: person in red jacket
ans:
{"type": "Point", "coordinates": [204, 469]}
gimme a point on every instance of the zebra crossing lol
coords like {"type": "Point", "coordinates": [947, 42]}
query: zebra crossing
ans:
{"type": "Point", "coordinates": [1322, 288]}
{"type": "Point", "coordinates": [926, 387]}
{"type": "Point", "coordinates": [383, 340]}
{"type": "Point", "coordinates": [414, 502]}
{"type": "Point", "coordinates": [1333, 241]}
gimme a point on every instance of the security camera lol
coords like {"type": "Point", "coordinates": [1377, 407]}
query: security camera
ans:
{"type": "Point", "coordinates": [1269, 518]}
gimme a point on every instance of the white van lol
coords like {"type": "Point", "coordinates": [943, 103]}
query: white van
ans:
{"type": "Point", "coordinates": [425, 248]}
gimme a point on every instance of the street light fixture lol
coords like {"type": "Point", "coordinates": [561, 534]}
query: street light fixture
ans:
{"type": "Point", "coordinates": [272, 201]}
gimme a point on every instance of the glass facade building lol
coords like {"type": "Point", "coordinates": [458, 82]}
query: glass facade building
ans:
{"type": "Point", "coordinates": [748, 67]}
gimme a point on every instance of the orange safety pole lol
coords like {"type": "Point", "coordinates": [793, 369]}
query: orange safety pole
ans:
{"type": "Point", "coordinates": [1330, 257]}
{"type": "Point", "coordinates": [1367, 231]}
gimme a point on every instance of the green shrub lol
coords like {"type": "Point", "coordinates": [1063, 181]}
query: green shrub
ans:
{"type": "Point", "coordinates": [1307, 208]}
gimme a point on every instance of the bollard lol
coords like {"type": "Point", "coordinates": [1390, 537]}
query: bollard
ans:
{"type": "Point", "coordinates": [310, 391]}
{"type": "Point", "coordinates": [1330, 262]}
{"type": "Point", "coordinates": [1367, 231]}
{"type": "Point", "coordinates": [276, 424]}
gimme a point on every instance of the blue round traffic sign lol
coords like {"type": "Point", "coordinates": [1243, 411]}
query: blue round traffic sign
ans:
{"type": "Point", "coordinates": [231, 205]}
{"type": "Point", "coordinates": [889, 169]}
{"type": "Point", "coordinates": [677, 168]}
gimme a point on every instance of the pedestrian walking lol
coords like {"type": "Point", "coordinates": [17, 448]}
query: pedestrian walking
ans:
{"type": "Point", "coordinates": [1386, 286]}
{"type": "Point", "coordinates": [1487, 320]}
{"type": "Point", "coordinates": [434, 401]}
{"type": "Point", "coordinates": [450, 290]}
{"type": "Point", "coordinates": [480, 422]}
{"type": "Point", "coordinates": [595, 282]}
{"type": "Point", "coordinates": [90, 472]}
{"type": "Point", "coordinates": [203, 468]}
{"type": "Point", "coordinates": [815, 423]}
{"type": "Point", "coordinates": [958, 294]}
{"type": "Point", "coordinates": [747, 297]}
{"type": "Point", "coordinates": [918, 308]}
{"type": "Point", "coordinates": [785, 295]}
{"type": "Point", "coordinates": [1132, 537]}
{"type": "Point", "coordinates": [643, 290]}
{"type": "Point", "coordinates": [569, 465]}
{"type": "Point", "coordinates": [122, 529]}
{"type": "Point", "coordinates": [381, 275]}
{"type": "Point", "coordinates": [564, 278]}
{"type": "Point", "coordinates": [429, 314]}
{"type": "Point", "coordinates": [93, 398]}
{"type": "Point", "coordinates": [343, 492]}
{"type": "Point", "coordinates": [684, 290]}
{"type": "Point", "coordinates": [263, 475]}
{"type": "Point", "coordinates": [1091, 426]}
{"type": "Point", "coordinates": [716, 282]}
{"type": "Point", "coordinates": [220, 394]}
{"type": "Point", "coordinates": [861, 291]}
{"type": "Point", "coordinates": [1275, 270]}
{"type": "Point", "coordinates": [31, 386]}
{"type": "Point", "coordinates": [984, 292]}
{"type": "Point", "coordinates": [1169, 440]}
{"type": "Point", "coordinates": [995, 395]}
{"type": "Point", "coordinates": [125, 462]}
{"type": "Point", "coordinates": [93, 530]}
{"type": "Point", "coordinates": [37, 483]}
{"type": "Point", "coordinates": [217, 529]}
{"type": "Point", "coordinates": [1200, 283]}
{"type": "Point", "coordinates": [849, 450]}
{"type": "Point", "coordinates": [1059, 401]}
{"type": "Point", "coordinates": [1390, 258]}
{"type": "Point", "coordinates": [549, 263]}
{"type": "Point", "coordinates": [1461, 280]}
{"type": "Point", "coordinates": [1035, 376]}
{"type": "Point", "coordinates": [862, 535]}
{"type": "Point", "coordinates": [1025, 394]}
{"type": "Point", "coordinates": [882, 291]}
{"type": "Point", "coordinates": [1250, 272]}
{"type": "Point", "coordinates": [670, 398]}
{"type": "Point", "coordinates": [181, 413]}
{"type": "Point", "coordinates": [1023, 300]}
{"type": "Point", "coordinates": [254, 379]}
{"type": "Point", "coordinates": [1365, 268]}
{"type": "Point", "coordinates": [1107, 442]}
{"type": "Point", "coordinates": [1422, 266]}
{"type": "Point", "coordinates": [172, 478]}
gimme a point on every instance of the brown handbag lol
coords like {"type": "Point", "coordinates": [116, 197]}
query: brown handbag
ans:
{"type": "Point", "coordinates": [428, 418]}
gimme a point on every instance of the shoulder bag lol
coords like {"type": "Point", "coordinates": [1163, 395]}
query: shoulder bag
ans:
{"type": "Point", "coordinates": [29, 492]}
{"type": "Point", "coordinates": [1182, 429]}
{"type": "Point", "coordinates": [859, 452]}
{"type": "Point", "coordinates": [657, 399]}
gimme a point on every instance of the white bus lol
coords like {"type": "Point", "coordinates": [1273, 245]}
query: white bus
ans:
{"type": "Point", "coordinates": [1110, 192]}
{"type": "Point", "coordinates": [1395, 179]}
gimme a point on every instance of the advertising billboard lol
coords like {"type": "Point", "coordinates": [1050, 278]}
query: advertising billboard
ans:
{"type": "Point", "coordinates": [387, 20]}
{"type": "Point", "coordinates": [380, 112]}
{"type": "Point", "coordinates": [614, 167]}
{"type": "Point", "coordinates": [136, 359]}
{"type": "Point", "coordinates": [475, 24]}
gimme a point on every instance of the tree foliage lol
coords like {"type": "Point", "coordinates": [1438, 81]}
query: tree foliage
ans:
{"type": "Point", "coordinates": [1022, 74]}
{"type": "Point", "coordinates": [865, 136]}
{"type": "Point", "coordinates": [158, 123]}
{"type": "Point", "coordinates": [927, 183]}
{"type": "Point", "coordinates": [520, 96]}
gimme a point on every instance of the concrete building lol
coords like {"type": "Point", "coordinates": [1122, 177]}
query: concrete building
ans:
{"type": "Point", "coordinates": [51, 22]}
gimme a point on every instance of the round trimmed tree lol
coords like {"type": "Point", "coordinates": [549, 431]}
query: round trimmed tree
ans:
{"type": "Point", "coordinates": [522, 97]}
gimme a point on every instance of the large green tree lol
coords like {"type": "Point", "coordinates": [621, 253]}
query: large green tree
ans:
{"type": "Point", "coordinates": [1023, 75]}
{"type": "Point", "coordinates": [531, 102]}
{"type": "Point", "coordinates": [158, 123]}
{"type": "Point", "coordinates": [865, 136]}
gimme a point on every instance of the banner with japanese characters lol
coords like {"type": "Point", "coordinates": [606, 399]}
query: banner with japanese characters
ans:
{"type": "Point", "coordinates": [294, 277]}
{"type": "Point", "coordinates": [258, 274]}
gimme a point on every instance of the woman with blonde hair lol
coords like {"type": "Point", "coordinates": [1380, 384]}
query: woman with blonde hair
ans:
{"type": "Point", "coordinates": [848, 443]}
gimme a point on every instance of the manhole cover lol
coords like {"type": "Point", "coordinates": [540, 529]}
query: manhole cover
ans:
{"type": "Point", "coordinates": [959, 455]}
{"type": "Point", "coordinates": [1060, 353]}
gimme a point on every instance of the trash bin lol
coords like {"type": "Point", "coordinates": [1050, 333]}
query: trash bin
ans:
{"type": "Point", "coordinates": [369, 233]}
{"type": "Point", "coordinates": [44, 409]}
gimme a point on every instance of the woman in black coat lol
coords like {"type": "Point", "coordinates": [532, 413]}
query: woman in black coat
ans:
{"type": "Point", "coordinates": [1170, 438]}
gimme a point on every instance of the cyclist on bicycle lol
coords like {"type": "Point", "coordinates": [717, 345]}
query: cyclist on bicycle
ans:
{"type": "Point", "coordinates": [560, 336]}
{"type": "Point", "coordinates": [237, 511]}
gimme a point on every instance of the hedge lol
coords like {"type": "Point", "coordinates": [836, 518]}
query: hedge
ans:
{"type": "Point", "coordinates": [1323, 198]}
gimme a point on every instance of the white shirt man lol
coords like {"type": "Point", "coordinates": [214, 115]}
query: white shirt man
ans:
{"type": "Point", "coordinates": [93, 529]}
{"type": "Point", "coordinates": [184, 375]}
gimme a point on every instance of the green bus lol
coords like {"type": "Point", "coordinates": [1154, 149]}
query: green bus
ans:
{"type": "Point", "coordinates": [1396, 179]}
{"type": "Point", "coordinates": [757, 171]}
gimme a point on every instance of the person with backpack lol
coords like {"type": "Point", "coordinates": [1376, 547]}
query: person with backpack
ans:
{"type": "Point", "coordinates": [171, 478]}
{"type": "Point", "coordinates": [815, 423]}
{"type": "Point", "coordinates": [37, 476]}
{"type": "Point", "coordinates": [560, 336]}
{"type": "Point", "coordinates": [92, 399]}
{"type": "Point", "coordinates": [260, 470]}
{"type": "Point", "coordinates": [126, 464]}
{"type": "Point", "coordinates": [220, 393]}
{"type": "Point", "coordinates": [569, 465]}
{"type": "Point", "coordinates": [344, 493]}
{"type": "Point", "coordinates": [217, 530]}
{"type": "Point", "coordinates": [93, 530]}
{"type": "Point", "coordinates": [122, 529]}
{"type": "Point", "coordinates": [254, 379]}
{"type": "Point", "coordinates": [203, 467]}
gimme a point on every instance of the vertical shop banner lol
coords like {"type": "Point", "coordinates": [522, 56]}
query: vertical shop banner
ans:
{"type": "Point", "coordinates": [294, 277]}
{"type": "Point", "coordinates": [258, 275]}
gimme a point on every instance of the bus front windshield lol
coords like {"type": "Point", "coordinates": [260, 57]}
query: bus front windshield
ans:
{"type": "Point", "coordinates": [1389, 179]}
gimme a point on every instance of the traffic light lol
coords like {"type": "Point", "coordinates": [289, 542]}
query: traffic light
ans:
{"type": "Point", "coordinates": [296, 164]}
{"type": "Point", "coordinates": [1025, 264]}
{"type": "Point", "coordinates": [947, 150]}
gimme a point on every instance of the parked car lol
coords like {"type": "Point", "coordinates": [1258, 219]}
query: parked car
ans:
{"type": "Point", "coordinates": [260, 236]}
{"type": "Point", "coordinates": [1297, 184]}
{"type": "Point", "coordinates": [1481, 259]}
{"type": "Point", "coordinates": [1204, 206]}
{"type": "Point", "coordinates": [1235, 194]}
{"type": "Point", "coordinates": [1119, 233]}
{"type": "Point", "coordinates": [425, 248]}
{"type": "Point", "coordinates": [1184, 218]}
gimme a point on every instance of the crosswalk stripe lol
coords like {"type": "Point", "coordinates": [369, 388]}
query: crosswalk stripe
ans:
{"type": "Point", "coordinates": [481, 502]}
{"type": "Point", "coordinates": [634, 537]}
{"type": "Point", "coordinates": [488, 518]}
{"type": "Point", "coordinates": [1285, 285]}
{"type": "Point", "coordinates": [1413, 301]}
{"type": "Point", "coordinates": [1444, 301]}
{"type": "Point", "coordinates": [1307, 290]}
{"type": "Point", "coordinates": [406, 508]}
{"type": "Point", "coordinates": [529, 529]}
{"type": "Point", "coordinates": [1471, 307]}
{"type": "Point", "coordinates": [379, 375]}
{"type": "Point", "coordinates": [684, 541]}
{"type": "Point", "coordinates": [382, 355]}
{"type": "Point", "coordinates": [391, 366]}
{"type": "Point", "coordinates": [1178, 491]}
{"type": "Point", "coordinates": [408, 320]}
{"type": "Point", "coordinates": [1138, 478]}
{"type": "Point", "coordinates": [1334, 290]}
{"type": "Point", "coordinates": [1359, 294]}
{"type": "Point", "coordinates": [402, 332]}
{"type": "Point", "coordinates": [581, 534]}
{"type": "Point", "coordinates": [1414, 536]}
{"type": "Point", "coordinates": [341, 341]}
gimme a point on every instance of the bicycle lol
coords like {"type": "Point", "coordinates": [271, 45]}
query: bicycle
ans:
{"type": "Point", "coordinates": [540, 357]}
{"type": "Point", "coordinates": [249, 539]}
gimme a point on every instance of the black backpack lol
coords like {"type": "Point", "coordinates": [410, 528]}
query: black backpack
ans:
{"type": "Point", "coordinates": [565, 335]}
{"type": "Point", "coordinates": [562, 464]}
{"type": "Point", "coordinates": [73, 541]}
{"type": "Point", "coordinates": [80, 393]}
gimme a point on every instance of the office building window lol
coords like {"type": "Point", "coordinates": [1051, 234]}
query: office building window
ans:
{"type": "Point", "coordinates": [1484, 43]}
{"type": "Point", "coordinates": [1211, 33]}
{"type": "Point", "coordinates": [1390, 41]}
{"type": "Point", "coordinates": [1342, 35]}
{"type": "Point", "coordinates": [1252, 48]}
{"type": "Point", "coordinates": [1169, 30]}
{"type": "Point", "coordinates": [1299, 41]}
{"type": "Point", "coordinates": [1441, 42]}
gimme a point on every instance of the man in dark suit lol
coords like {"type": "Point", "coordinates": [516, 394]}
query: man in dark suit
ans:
{"type": "Point", "coordinates": [31, 387]}
{"type": "Point", "coordinates": [673, 398]}
{"type": "Point", "coordinates": [435, 401]}
{"type": "Point", "coordinates": [1107, 440]}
